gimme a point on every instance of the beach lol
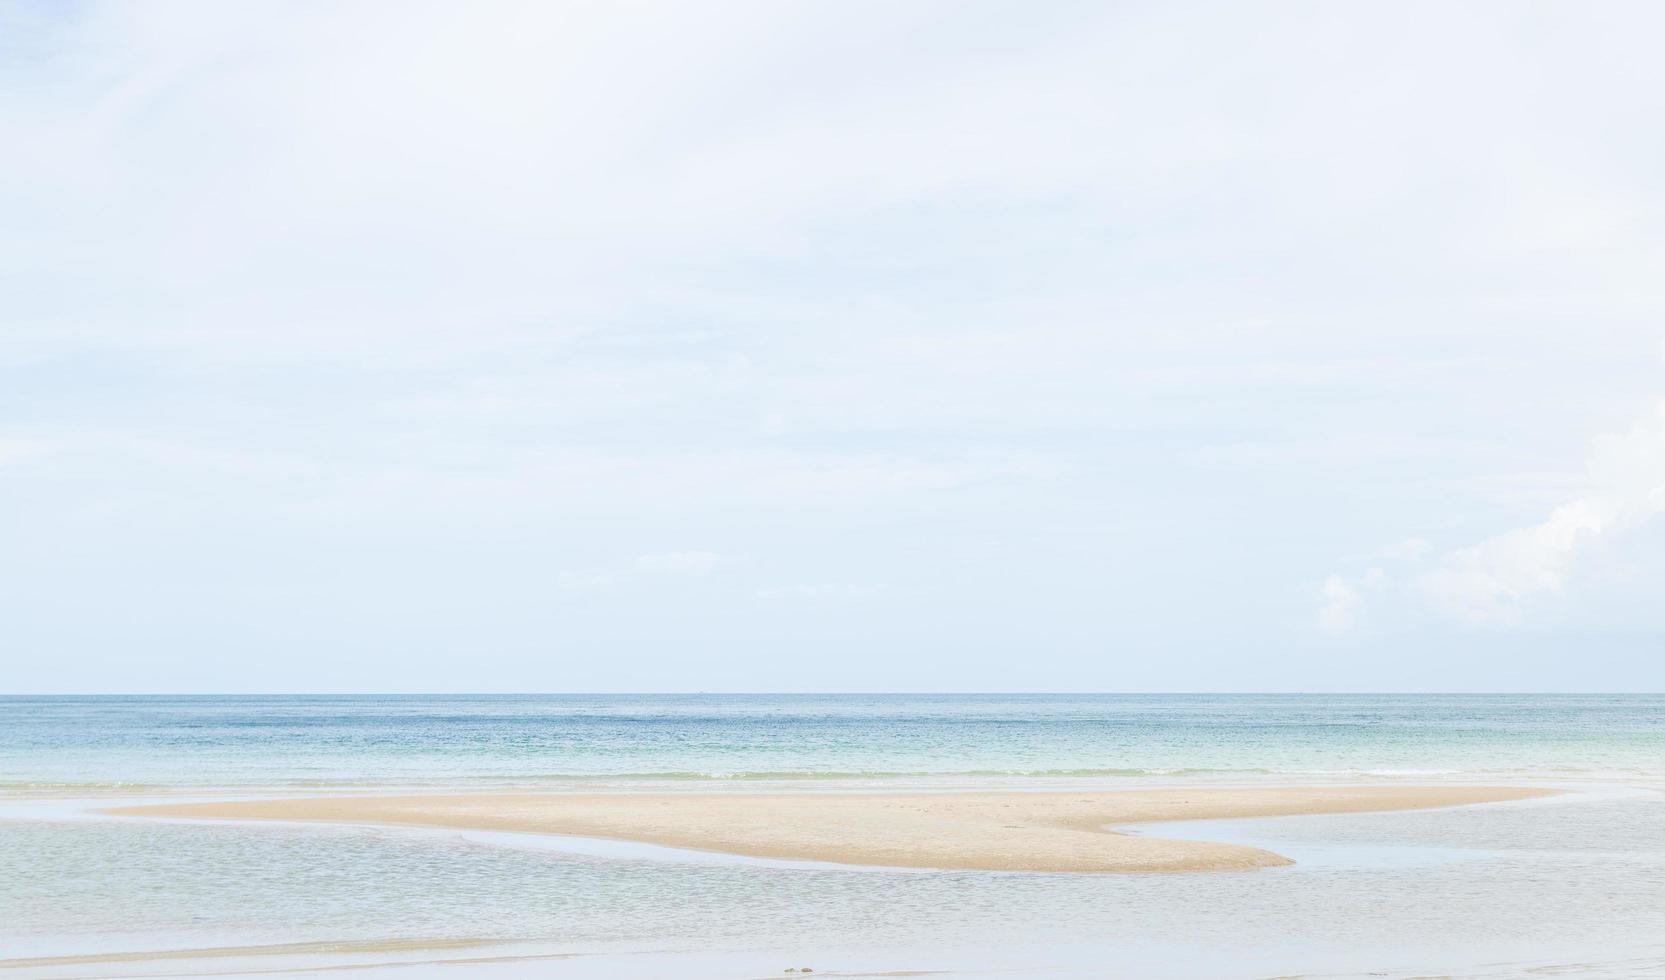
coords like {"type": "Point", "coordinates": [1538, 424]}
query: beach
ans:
{"type": "Point", "coordinates": [552, 490]}
{"type": "Point", "coordinates": [1011, 831]}
{"type": "Point", "coordinates": [733, 836]}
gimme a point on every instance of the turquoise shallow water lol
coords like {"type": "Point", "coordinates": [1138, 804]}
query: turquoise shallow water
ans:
{"type": "Point", "coordinates": [209, 741]}
{"type": "Point", "coordinates": [1573, 883]}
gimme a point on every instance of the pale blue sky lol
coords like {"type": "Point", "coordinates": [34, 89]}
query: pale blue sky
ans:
{"type": "Point", "coordinates": [831, 346]}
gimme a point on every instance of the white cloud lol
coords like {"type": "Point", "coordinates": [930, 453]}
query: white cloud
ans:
{"type": "Point", "coordinates": [1493, 581]}
{"type": "Point", "coordinates": [1048, 307]}
{"type": "Point", "coordinates": [1488, 582]}
{"type": "Point", "coordinates": [1341, 608]}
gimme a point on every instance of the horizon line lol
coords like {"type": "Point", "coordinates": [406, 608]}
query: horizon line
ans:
{"type": "Point", "coordinates": [760, 693]}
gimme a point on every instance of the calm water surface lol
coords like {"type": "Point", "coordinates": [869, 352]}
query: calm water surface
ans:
{"type": "Point", "coordinates": [76, 743]}
{"type": "Point", "coordinates": [1575, 881]}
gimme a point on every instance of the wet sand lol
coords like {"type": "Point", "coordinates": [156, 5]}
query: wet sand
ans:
{"type": "Point", "coordinates": [356, 948]}
{"type": "Point", "coordinates": [980, 831]}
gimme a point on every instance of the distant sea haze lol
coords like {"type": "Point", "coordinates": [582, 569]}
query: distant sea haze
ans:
{"type": "Point", "coordinates": [72, 744]}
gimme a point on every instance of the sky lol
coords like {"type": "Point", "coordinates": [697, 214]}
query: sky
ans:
{"type": "Point", "coordinates": [831, 346]}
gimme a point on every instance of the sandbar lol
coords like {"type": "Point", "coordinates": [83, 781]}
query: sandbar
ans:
{"type": "Point", "coordinates": [1050, 831]}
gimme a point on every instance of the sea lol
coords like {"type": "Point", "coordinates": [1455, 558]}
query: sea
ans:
{"type": "Point", "coordinates": [1571, 884]}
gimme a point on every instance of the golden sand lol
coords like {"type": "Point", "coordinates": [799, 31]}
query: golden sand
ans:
{"type": "Point", "coordinates": [981, 831]}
